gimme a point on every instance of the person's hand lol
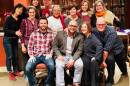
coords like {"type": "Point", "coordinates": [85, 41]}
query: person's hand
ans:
{"type": "Point", "coordinates": [103, 65]}
{"type": "Point", "coordinates": [61, 58]}
{"type": "Point", "coordinates": [70, 64]}
{"type": "Point", "coordinates": [48, 56]}
{"type": "Point", "coordinates": [66, 30]}
{"type": "Point", "coordinates": [24, 50]}
{"type": "Point", "coordinates": [32, 59]}
{"type": "Point", "coordinates": [18, 33]}
{"type": "Point", "coordinates": [93, 59]}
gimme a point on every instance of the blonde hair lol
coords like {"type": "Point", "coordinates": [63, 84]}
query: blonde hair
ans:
{"type": "Point", "coordinates": [31, 7]}
{"type": "Point", "coordinates": [99, 1]}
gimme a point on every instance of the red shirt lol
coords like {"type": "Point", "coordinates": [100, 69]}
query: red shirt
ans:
{"type": "Point", "coordinates": [40, 43]}
{"type": "Point", "coordinates": [26, 28]}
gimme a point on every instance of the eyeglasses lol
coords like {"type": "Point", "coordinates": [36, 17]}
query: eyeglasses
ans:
{"type": "Point", "coordinates": [101, 24]}
{"type": "Point", "coordinates": [73, 26]}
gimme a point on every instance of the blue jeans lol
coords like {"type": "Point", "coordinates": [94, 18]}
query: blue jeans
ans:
{"type": "Point", "coordinates": [11, 51]}
{"type": "Point", "coordinates": [25, 59]}
{"type": "Point", "coordinates": [30, 67]}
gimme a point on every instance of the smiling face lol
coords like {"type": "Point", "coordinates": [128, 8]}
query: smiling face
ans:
{"type": "Point", "coordinates": [35, 3]}
{"type": "Point", "coordinates": [72, 27]}
{"type": "Point", "coordinates": [84, 6]}
{"type": "Point", "coordinates": [84, 28]}
{"type": "Point", "coordinates": [19, 11]}
{"type": "Point", "coordinates": [73, 11]}
{"type": "Point", "coordinates": [47, 3]}
{"type": "Point", "coordinates": [56, 11]}
{"type": "Point", "coordinates": [43, 24]}
{"type": "Point", "coordinates": [100, 7]}
{"type": "Point", "coordinates": [31, 13]}
{"type": "Point", "coordinates": [101, 24]}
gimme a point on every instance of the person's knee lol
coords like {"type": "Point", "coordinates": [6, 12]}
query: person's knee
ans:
{"type": "Point", "coordinates": [51, 66]}
{"type": "Point", "coordinates": [59, 64]}
{"type": "Point", "coordinates": [28, 68]}
{"type": "Point", "coordinates": [110, 60]}
{"type": "Point", "coordinates": [9, 57]}
{"type": "Point", "coordinates": [79, 64]}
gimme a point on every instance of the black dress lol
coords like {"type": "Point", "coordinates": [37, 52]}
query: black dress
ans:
{"type": "Point", "coordinates": [92, 49]}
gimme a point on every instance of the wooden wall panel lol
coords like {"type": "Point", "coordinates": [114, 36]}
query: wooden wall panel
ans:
{"type": "Point", "coordinates": [127, 7]}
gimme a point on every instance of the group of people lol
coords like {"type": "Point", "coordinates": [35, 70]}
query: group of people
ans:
{"type": "Point", "coordinates": [82, 41]}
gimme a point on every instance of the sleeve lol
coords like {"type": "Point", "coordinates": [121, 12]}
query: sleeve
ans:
{"type": "Point", "coordinates": [99, 49]}
{"type": "Point", "coordinates": [30, 45]}
{"type": "Point", "coordinates": [79, 49]}
{"type": "Point", "coordinates": [23, 30]}
{"type": "Point", "coordinates": [55, 45]}
{"type": "Point", "coordinates": [49, 22]}
{"type": "Point", "coordinates": [110, 41]}
{"type": "Point", "coordinates": [66, 21]}
{"type": "Point", "coordinates": [7, 28]}
{"type": "Point", "coordinates": [51, 43]}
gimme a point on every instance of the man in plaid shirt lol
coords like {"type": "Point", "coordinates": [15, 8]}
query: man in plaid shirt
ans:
{"type": "Point", "coordinates": [40, 51]}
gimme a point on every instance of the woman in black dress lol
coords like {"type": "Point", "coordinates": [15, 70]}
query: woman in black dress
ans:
{"type": "Point", "coordinates": [91, 56]}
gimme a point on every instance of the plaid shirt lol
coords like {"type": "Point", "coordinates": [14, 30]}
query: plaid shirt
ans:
{"type": "Point", "coordinates": [40, 43]}
{"type": "Point", "coordinates": [26, 28]}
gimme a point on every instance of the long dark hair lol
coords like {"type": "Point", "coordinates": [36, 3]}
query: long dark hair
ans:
{"type": "Point", "coordinates": [37, 7]}
{"type": "Point", "coordinates": [23, 15]}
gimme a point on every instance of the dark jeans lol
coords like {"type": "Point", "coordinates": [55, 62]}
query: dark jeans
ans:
{"type": "Point", "coordinates": [90, 72]}
{"type": "Point", "coordinates": [11, 51]}
{"type": "Point", "coordinates": [25, 59]}
{"type": "Point", "coordinates": [110, 68]}
{"type": "Point", "coordinates": [30, 67]}
{"type": "Point", "coordinates": [120, 60]}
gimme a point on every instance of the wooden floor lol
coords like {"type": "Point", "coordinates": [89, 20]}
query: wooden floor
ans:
{"type": "Point", "coordinates": [4, 80]}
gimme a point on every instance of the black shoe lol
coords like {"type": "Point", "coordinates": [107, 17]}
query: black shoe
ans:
{"type": "Point", "coordinates": [110, 81]}
{"type": "Point", "coordinates": [108, 84]}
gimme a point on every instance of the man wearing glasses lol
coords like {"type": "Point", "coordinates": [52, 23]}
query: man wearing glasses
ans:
{"type": "Point", "coordinates": [67, 47]}
{"type": "Point", "coordinates": [112, 49]}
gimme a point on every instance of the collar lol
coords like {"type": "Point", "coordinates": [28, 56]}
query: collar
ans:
{"type": "Point", "coordinates": [48, 30]}
{"type": "Point", "coordinates": [99, 14]}
{"type": "Point", "coordinates": [74, 35]}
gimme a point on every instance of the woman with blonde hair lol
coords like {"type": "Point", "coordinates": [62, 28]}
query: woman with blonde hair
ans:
{"type": "Point", "coordinates": [101, 10]}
